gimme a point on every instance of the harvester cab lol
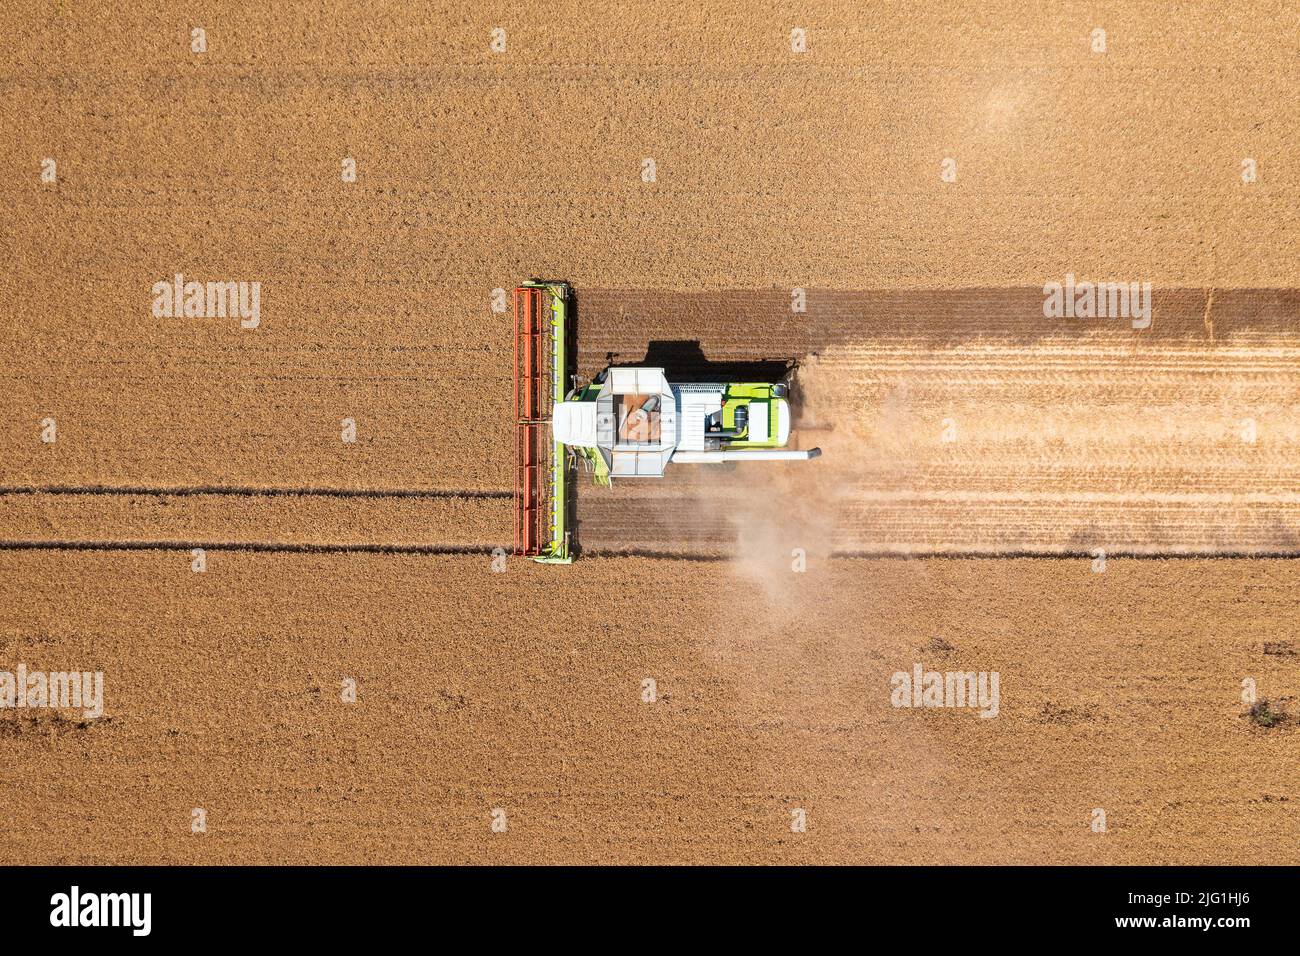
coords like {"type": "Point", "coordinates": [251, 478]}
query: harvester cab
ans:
{"type": "Point", "coordinates": [631, 422]}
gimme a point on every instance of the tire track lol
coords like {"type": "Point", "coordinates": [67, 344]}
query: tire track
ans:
{"type": "Point", "coordinates": [249, 546]}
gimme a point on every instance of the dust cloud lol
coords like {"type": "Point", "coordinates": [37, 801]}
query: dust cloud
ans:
{"type": "Point", "coordinates": [1061, 446]}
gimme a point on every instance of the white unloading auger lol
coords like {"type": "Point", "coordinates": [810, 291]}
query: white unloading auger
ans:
{"type": "Point", "coordinates": [756, 454]}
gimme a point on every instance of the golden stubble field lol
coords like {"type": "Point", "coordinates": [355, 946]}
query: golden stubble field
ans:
{"type": "Point", "coordinates": [523, 691]}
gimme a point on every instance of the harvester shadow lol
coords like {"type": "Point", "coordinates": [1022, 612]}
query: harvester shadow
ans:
{"type": "Point", "coordinates": [685, 361]}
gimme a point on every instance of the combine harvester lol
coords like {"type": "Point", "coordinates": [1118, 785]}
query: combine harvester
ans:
{"type": "Point", "coordinates": [629, 423]}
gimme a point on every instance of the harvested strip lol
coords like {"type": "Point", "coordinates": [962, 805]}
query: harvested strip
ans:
{"type": "Point", "coordinates": [1006, 434]}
